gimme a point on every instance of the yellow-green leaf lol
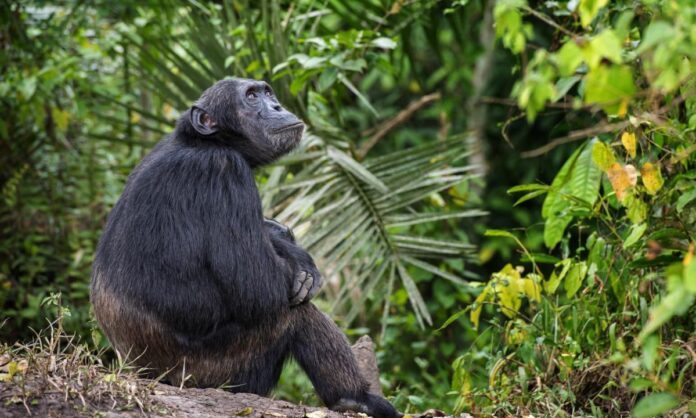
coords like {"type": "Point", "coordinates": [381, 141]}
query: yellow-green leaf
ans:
{"type": "Point", "coordinates": [551, 285]}
{"type": "Point", "coordinates": [628, 139]}
{"type": "Point", "coordinates": [531, 287]}
{"type": "Point", "coordinates": [636, 209]}
{"type": "Point", "coordinates": [248, 411]}
{"type": "Point", "coordinates": [588, 9]}
{"type": "Point", "coordinates": [478, 306]}
{"type": "Point", "coordinates": [690, 270]}
{"type": "Point", "coordinates": [606, 45]}
{"type": "Point", "coordinates": [569, 57]}
{"type": "Point", "coordinates": [652, 178]}
{"type": "Point", "coordinates": [61, 118]}
{"type": "Point", "coordinates": [609, 86]}
{"type": "Point", "coordinates": [602, 155]}
{"type": "Point", "coordinates": [507, 286]}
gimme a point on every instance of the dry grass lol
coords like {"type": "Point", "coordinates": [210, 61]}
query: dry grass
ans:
{"type": "Point", "coordinates": [59, 376]}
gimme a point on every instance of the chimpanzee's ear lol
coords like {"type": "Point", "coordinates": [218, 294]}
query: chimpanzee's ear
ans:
{"type": "Point", "coordinates": [202, 122]}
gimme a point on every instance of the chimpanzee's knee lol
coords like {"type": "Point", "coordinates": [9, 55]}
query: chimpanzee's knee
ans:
{"type": "Point", "coordinates": [324, 353]}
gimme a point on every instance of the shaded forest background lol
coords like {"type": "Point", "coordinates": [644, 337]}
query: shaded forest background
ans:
{"type": "Point", "coordinates": [501, 193]}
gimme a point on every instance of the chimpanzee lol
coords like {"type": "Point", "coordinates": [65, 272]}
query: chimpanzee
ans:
{"type": "Point", "coordinates": [192, 282]}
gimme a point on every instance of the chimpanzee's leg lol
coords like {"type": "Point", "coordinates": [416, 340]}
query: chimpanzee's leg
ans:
{"type": "Point", "coordinates": [323, 352]}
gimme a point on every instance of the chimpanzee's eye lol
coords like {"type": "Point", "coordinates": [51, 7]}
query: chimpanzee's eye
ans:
{"type": "Point", "coordinates": [269, 93]}
{"type": "Point", "coordinates": [251, 94]}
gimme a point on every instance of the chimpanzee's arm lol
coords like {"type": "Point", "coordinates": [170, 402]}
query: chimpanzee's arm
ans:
{"type": "Point", "coordinates": [307, 277]}
{"type": "Point", "coordinates": [278, 230]}
{"type": "Point", "coordinates": [259, 268]}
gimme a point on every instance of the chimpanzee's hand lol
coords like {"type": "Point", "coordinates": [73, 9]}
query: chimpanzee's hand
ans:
{"type": "Point", "coordinates": [306, 283]}
{"type": "Point", "coordinates": [306, 279]}
{"type": "Point", "coordinates": [278, 230]}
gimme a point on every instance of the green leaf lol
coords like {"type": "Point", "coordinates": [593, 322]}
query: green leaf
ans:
{"type": "Point", "coordinates": [657, 32]}
{"type": "Point", "coordinates": [690, 276]}
{"type": "Point", "coordinates": [553, 204]}
{"type": "Point", "coordinates": [649, 354]}
{"type": "Point", "coordinates": [563, 86]}
{"type": "Point", "coordinates": [327, 79]}
{"type": "Point", "coordinates": [640, 384]}
{"type": "Point", "coordinates": [527, 187]}
{"type": "Point", "coordinates": [573, 281]}
{"type": "Point", "coordinates": [554, 229]}
{"type": "Point", "coordinates": [343, 79]}
{"type": "Point", "coordinates": [551, 285]}
{"type": "Point", "coordinates": [606, 45]}
{"type": "Point", "coordinates": [578, 179]}
{"type": "Point", "coordinates": [569, 57]}
{"type": "Point", "coordinates": [499, 233]}
{"type": "Point", "coordinates": [685, 199]}
{"type": "Point", "coordinates": [588, 9]}
{"type": "Point", "coordinates": [529, 196]}
{"type": "Point", "coordinates": [636, 232]}
{"type": "Point", "coordinates": [27, 87]}
{"type": "Point", "coordinates": [540, 258]}
{"type": "Point", "coordinates": [581, 180]}
{"type": "Point", "coordinates": [608, 86]}
{"type": "Point", "coordinates": [655, 404]}
{"type": "Point", "coordinates": [451, 319]}
{"type": "Point", "coordinates": [675, 302]}
{"type": "Point", "coordinates": [636, 209]}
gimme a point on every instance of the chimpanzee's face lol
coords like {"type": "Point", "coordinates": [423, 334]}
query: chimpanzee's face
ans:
{"type": "Point", "coordinates": [247, 115]}
{"type": "Point", "coordinates": [263, 118]}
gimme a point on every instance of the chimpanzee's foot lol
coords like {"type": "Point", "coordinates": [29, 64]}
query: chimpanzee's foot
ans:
{"type": "Point", "coordinates": [372, 405]}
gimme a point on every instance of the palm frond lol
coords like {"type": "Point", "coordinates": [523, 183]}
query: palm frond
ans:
{"type": "Point", "coordinates": [351, 216]}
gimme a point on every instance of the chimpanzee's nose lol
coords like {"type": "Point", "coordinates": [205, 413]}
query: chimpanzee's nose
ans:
{"type": "Point", "coordinates": [277, 108]}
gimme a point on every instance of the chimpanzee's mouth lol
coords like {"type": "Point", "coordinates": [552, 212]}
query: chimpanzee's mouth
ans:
{"type": "Point", "coordinates": [289, 127]}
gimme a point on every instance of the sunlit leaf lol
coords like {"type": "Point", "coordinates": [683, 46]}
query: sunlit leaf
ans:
{"type": "Point", "coordinates": [602, 155]}
{"type": "Point", "coordinates": [628, 139]}
{"type": "Point", "coordinates": [588, 9]}
{"type": "Point", "coordinates": [478, 306]}
{"type": "Point", "coordinates": [652, 178]}
{"type": "Point", "coordinates": [690, 270]}
{"type": "Point", "coordinates": [636, 209]}
{"type": "Point", "coordinates": [607, 86]}
{"type": "Point", "coordinates": [569, 57]}
{"type": "Point", "coordinates": [532, 287]}
{"type": "Point", "coordinates": [605, 46]}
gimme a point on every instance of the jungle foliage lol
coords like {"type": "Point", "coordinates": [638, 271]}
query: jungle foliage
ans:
{"type": "Point", "coordinates": [502, 193]}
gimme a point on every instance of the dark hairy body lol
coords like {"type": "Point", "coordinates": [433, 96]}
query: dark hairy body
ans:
{"type": "Point", "coordinates": [191, 281]}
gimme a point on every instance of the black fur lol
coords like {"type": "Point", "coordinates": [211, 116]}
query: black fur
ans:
{"type": "Point", "coordinates": [189, 279]}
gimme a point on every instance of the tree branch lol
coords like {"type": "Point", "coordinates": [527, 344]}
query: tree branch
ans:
{"type": "Point", "coordinates": [575, 136]}
{"type": "Point", "coordinates": [385, 127]}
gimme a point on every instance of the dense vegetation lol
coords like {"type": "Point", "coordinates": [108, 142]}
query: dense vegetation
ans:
{"type": "Point", "coordinates": [502, 193]}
